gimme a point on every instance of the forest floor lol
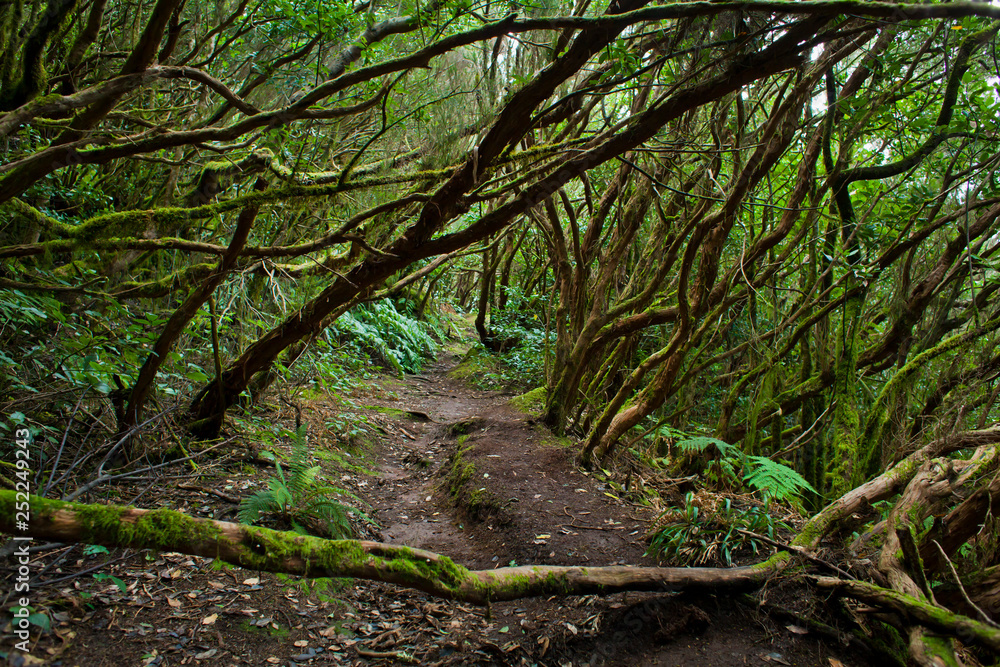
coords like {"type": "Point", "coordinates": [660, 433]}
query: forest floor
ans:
{"type": "Point", "coordinates": [443, 467]}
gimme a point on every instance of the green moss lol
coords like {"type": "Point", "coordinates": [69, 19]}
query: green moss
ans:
{"type": "Point", "coordinates": [330, 555]}
{"type": "Point", "coordinates": [532, 403]}
{"type": "Point", "coordinates": [247, 626]}
{"type": "Point", "coordinates": [477, 503]}
{"type": "Point", "coordinates": [100, 524]}
{"type": "Point", "coordinates": [460, 471]}
{"type": "Point", "coordinates": [942, 649]}
{"type": "Point", "coordinates": [392, 412]}
{"type": "Point", "coordinates": [551, 583]}
{"type": "Point", "coordinates": [158, 529]}
{"type": "Point", "coordinates": [261, 548]}
{"type": "Point", "coordinates": [464, 427]}
{"type": "Point", "coordinates": [560, 441]}
{"type": "Point", "coordinates": [278, 631]}
{"type": "Point", "coordinates": [477, 363]}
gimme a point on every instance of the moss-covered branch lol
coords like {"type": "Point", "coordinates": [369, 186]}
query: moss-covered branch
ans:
{"type": "Point", "coordinates": [273, 551]}
{"type": "Point", "coordinates": [889, 483]}
{"type": "Point", "coordinates": [917, 611]}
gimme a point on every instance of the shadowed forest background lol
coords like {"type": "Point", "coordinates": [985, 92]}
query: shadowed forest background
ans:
{"type": "Point", "coordinates": [739, 250]}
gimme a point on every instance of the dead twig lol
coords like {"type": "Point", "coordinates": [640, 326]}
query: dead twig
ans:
{"type": "Point", "coordinates": [221, 494]}
{"type": "Point", "coordinates": [983, 616]}
{"type": "Point", "coordinates": [798, 551]}
{"type": "Point", "coordinates": [401, 656]}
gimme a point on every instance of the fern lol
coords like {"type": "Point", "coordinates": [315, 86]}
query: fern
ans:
{"type": "Point", "coordinates": [699, 444]}
{"type": "Point", "coordinates": [251, 509]}
{"type": "Point", "coordinates": [401, 342]}
{"type": "Point", "coordinates": [775, 480]}
{"type": "Point", "coordinates": [299, 501]}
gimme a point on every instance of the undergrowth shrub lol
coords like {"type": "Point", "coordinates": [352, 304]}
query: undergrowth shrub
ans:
{"type": "Point", "coordinates": [519, 330]}
{"type": "Point", "coordinates": [379, 331]}
{"type": "Point", "coordinates": [697, 535]}
{"type": "Point", "coordinates": [773, 480]}
{"type": "Point", "coordinates": [45, 347]}
{"type": "Point", "coordinates": [701, 532]}
{"type": "Point", "coordinates": [299, 500]}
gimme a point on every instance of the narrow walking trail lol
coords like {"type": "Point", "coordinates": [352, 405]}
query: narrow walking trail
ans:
{"type": "Point", "coordinates": [469, 476]}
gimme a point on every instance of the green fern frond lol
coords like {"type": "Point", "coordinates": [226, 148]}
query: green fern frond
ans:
{"type": "Point", "coordinates": [253, 507]}
{"type": "Point", "coordinates": [701, 443]}
{"type": "Point", "coordinates": [279, 491]}
{"type": "Point", "coordinates": [303, 502]}
{"type": "Point", "coordinates": [775, 480]}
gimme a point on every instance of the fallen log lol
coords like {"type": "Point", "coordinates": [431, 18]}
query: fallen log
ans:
{"type": "Point", "coordinates": [262, 549]}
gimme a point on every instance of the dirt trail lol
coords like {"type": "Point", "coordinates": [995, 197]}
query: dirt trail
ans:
{"type": "Point", "coordinates": [406, 494]}
{"type": "Point", "coordinates": [479, 482]}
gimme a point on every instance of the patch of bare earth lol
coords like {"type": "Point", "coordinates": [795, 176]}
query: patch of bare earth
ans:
{"type": "Point", "coordinates": [456, 471]}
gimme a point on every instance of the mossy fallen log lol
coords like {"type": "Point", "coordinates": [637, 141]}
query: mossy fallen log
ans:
{"type": "Point", "coordinates": [262, 549]}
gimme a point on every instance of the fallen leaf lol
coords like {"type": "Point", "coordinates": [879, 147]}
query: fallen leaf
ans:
{"type": "Point", "coordinates": [505, 629]}
{"type": "Point", "coordinates": [209, 620]}
{"type": "Point", "coordinates": [301, 643]}
{"type": "Point", "coordinates": [205, 655]}
{"type": "Point", "coordinates": [797, 629]}
{"type": "Point", "coordinates": [543, 536]}
{"type": "Point", "coordinates": [835, 663]}
{"type": "Point", "coordinates": [173, 602]}
{"type": "Point", "coordinates": [252, 581]}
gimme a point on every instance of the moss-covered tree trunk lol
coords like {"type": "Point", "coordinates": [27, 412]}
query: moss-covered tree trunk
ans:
{"type": "Point", "coordinates": [268, 550]}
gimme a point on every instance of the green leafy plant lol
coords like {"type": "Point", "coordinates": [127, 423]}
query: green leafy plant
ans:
{"type": "Point", "coordinates": [692, 535]}
{"type": "Point", "coordinates": [102, 576]}
{"type": "Point", "coordinates": [38, 619]}
{"type": "Point", "coordinates": [774, 480]}
{"type": "Point", "coordinates": [389, 337]}
{"type": "Point", "coordinates": [299, 501]}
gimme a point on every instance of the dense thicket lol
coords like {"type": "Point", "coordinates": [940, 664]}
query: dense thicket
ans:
{"type": "Point", "coordinates": [775, 223]}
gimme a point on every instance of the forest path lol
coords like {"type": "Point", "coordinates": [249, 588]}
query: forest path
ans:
{"type": "Point", "coordinates": [463, 473]}
{"type": "Point", "coordinates": [405, 495]}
